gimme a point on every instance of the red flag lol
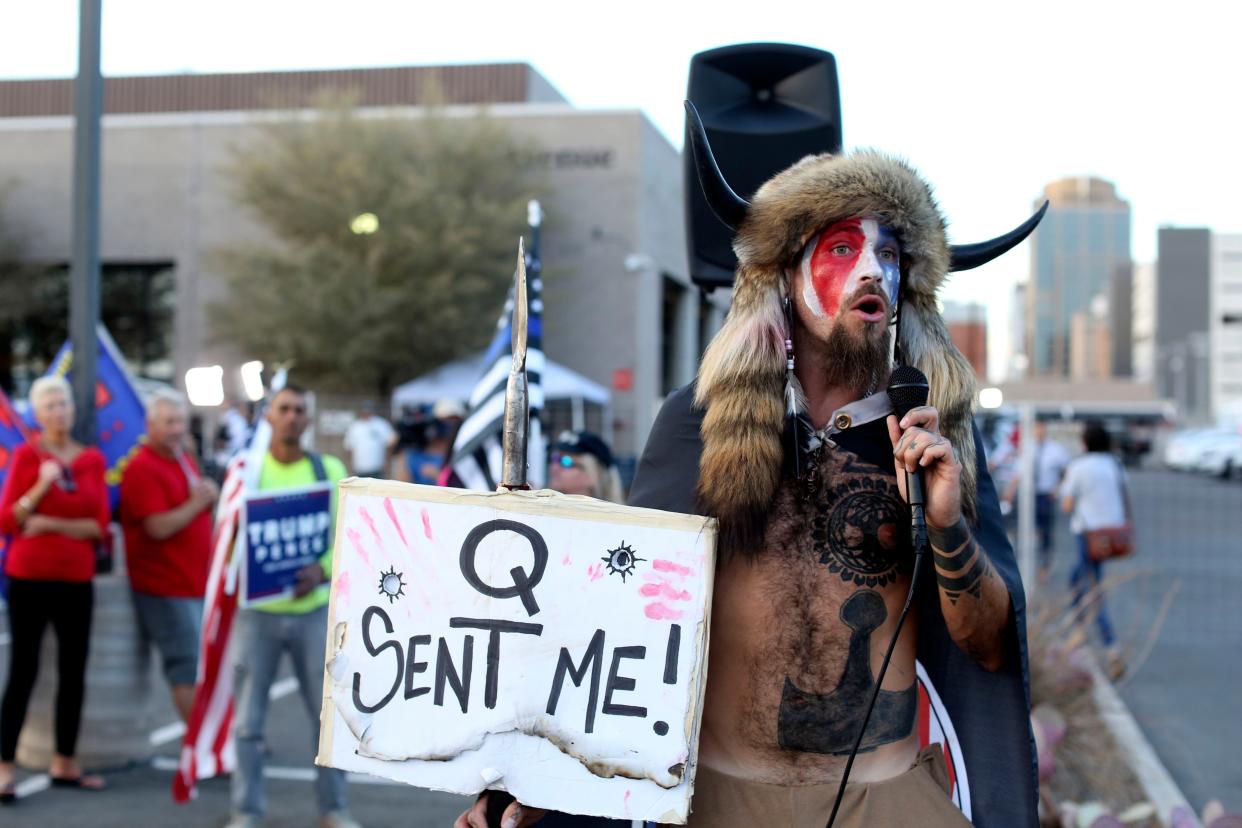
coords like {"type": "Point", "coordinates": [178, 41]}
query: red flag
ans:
{"type": "Point", "coordinates": [207, 749]}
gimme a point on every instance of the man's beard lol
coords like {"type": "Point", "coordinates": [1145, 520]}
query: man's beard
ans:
{"type": "Point", "coordinates": [855, 359]}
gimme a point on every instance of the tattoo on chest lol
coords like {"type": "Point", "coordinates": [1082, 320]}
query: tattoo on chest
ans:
{"type": "Point", "coordinates": [828, 723]}
{"type": "Point", "coordinates": [856, 514]}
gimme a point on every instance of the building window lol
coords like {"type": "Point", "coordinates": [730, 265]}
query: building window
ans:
{"type": "Point", "coordinates": [669, 307]}
{"type": "Point", "coordinates": [706, 327]}
{"type": "Point", "coordinates": [136, 306]}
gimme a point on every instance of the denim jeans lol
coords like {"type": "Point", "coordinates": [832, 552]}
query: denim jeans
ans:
{"type": "Point", "coordinates": [1084, 578]}
{"type": "Point", "coordinates": [262, 638]}
{"type": "Point", "coordinates": [1045, 522]}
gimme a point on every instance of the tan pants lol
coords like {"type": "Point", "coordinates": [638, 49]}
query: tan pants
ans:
{"type": "Point", "coordinates": [920, 796]}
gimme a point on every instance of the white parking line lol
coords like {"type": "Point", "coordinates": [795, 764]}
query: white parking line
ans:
{"type": "Point", "coordinates": [171, 732]}
{"type": "Point", "coordinates": [174, 731]}
{"type": "Point", "coordinates": [33, 785]}
{"type": "Point", "coordinates": [167, 763]}
{"type": "Point", "coordinates": [167, 733]}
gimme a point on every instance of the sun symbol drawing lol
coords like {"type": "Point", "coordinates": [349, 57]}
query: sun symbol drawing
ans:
{"type": "Point", "coordinates": [390, 584]}
{"type": "Point", "coordinates": [621, 561]}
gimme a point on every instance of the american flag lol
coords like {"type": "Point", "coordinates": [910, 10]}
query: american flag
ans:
{"type": "Point", "coordinates": [477, 451]}
{"type": "Point", "coordinates": [934, 725]}
{"type": "Point", "coordinates": [207, 748]}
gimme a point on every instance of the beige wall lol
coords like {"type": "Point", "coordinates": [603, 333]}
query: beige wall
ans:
{"type": "Point", "coordinates": [616, 186]}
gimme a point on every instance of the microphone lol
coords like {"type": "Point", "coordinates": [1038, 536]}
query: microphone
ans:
{"type": "Point", "coordinates": [907, 389]}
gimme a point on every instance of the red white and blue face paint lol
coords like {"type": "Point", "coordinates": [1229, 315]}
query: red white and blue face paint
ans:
{"type": "Point", "coordinates": [844, 257]}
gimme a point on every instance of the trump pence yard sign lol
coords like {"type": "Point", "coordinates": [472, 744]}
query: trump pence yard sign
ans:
{"type": "Point", "coordinates": [551, 646]}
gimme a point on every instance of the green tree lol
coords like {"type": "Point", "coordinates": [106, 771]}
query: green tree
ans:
{"type": "Point", "coordinates": [364, 311]}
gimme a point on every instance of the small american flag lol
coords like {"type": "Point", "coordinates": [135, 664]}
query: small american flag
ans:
{"type": "Point", "coordinates": [477, 451]}
{"type": "Point", "coordinates": [207, 748]}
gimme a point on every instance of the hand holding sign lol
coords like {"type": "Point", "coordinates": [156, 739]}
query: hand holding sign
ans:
{"type": "Point", "coordinates": [308, 577]}
{"type": "Point", "coordinates": [515, 815]}
{"type": "Point", "coordinates": [550, 646]}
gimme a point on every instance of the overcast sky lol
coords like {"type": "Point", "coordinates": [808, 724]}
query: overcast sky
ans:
{"type": "Point", "coordinates": [989, 100]}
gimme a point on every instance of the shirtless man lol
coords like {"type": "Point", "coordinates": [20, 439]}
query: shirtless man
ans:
{"type": "Point", "coordinates": [789, 436]}
{"type": "Point", "coordinates": [801, 621]}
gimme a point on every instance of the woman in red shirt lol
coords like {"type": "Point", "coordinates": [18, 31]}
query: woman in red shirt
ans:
{"type": "Point", "coordinates": [55, 508]}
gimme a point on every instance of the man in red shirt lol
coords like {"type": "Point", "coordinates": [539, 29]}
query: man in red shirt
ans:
{"type": "Point", "coordinates": [166, 513]}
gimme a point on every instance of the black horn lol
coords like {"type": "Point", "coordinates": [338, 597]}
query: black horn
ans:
{"type": "Point", "coordinates": [728, 206]}
{"type": "Point", "coordinates": [966, 256]}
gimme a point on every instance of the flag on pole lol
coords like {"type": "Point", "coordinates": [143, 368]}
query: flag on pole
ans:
{"type": "Point", "coordinates": [120, 417]}
{"type": "Point", "coordinates": [207, 748]}
{"type": "Point", "coordinates": [477, 450]}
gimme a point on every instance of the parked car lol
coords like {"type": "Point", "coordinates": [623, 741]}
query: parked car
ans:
{"type": "Point", "coordinates": [1219, 455]}
{"type": "Point", "coordinates": [1184, 449]}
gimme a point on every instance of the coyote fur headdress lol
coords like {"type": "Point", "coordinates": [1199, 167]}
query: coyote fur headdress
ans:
{"type": "Point", "coordinates": [742, 381]}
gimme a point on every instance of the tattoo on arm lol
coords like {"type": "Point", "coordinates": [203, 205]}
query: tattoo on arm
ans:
{"type": "Point", "coordinates": [962, 569]}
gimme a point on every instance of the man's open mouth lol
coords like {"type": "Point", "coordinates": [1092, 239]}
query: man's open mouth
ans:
{"type": "Point", "coordinates": [870, 308]}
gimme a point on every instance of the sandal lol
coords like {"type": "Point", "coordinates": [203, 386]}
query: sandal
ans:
{"type": "Point", "coordinates": [83, 782]}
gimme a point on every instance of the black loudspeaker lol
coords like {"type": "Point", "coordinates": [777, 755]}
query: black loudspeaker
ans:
{"type": "Point", "coordinates": [764, 106]}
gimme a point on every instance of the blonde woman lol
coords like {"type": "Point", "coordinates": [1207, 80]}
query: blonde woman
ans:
{"type": "Point", "coordinates": [55, 507]}
{"type": "Point", "coordinates": [582, 464]}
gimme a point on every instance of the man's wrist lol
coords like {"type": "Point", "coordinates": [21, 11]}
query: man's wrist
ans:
{"type": "Point", "coordinates": [951, 537]}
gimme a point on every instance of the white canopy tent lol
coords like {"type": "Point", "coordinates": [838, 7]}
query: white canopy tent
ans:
{"type": "Point", "coordinates": [456, 380]}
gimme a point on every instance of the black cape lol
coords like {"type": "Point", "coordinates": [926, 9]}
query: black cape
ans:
{"type": "Point", "coordinates": [990, 711]}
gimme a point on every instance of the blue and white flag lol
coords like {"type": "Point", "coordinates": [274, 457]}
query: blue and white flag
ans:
{"type": "Point", "coordinates": [477, 451]}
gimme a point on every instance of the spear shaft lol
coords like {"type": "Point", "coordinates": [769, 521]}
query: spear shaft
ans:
{"type": "Point", "coordinates": [517, 395]}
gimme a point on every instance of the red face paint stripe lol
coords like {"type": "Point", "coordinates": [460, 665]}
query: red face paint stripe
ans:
{"type": "Point", "coordinates": [829, 272]}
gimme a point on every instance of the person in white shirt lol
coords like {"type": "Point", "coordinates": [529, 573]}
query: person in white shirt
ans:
{"type": "Point", "coordinates": [1093, 494]}
{"type": "Point", "coordinates": [234, 433]}
{"type": "Point", "coordinates": [1051, 460]}
{"type": "Point", "coordinates": [369, 439]}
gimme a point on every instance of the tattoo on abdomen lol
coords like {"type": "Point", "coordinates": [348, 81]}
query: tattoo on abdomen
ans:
{"type": "Point", "coordinates": [828, 723]}
{"type": "Point", "coordinates": [960, 561]}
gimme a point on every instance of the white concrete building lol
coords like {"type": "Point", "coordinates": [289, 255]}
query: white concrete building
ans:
{"type": "Point", "coordinates": [1225, 327]}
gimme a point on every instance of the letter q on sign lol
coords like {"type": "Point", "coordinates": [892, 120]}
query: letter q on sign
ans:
{"type": "Point", "coordinates": [523, 583]}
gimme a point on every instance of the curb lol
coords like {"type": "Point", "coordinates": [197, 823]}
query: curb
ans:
{"type": "Point", "coordinates": [1158, 785]}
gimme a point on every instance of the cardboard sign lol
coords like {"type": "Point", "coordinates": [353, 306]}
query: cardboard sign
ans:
{"type": "Point", "coordinates": [551, 646]}
{"type": "Point", "coordinates": [284, 531]}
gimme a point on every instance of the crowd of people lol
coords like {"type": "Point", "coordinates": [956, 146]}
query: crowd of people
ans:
{"type": "Point", "coordinates": [56, 508]}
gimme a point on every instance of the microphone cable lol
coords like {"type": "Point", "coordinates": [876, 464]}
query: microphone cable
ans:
{"type": "Point", "coordinates": [907, 389]}
{"type": "Point", "coordinates": [875, 694]}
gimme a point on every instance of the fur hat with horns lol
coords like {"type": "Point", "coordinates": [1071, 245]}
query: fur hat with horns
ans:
{"type": "Point", "coordinates": [742, 380]}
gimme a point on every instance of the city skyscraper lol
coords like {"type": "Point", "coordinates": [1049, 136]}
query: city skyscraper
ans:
{"type": "Point", "coordinates": [1143, 328]}
{"type": "Point", "coordinates": [1082, 246]}
{"type": "Point", "coordinates": [1183, 318]}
